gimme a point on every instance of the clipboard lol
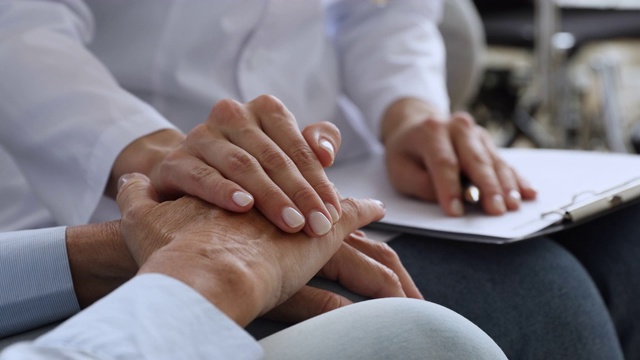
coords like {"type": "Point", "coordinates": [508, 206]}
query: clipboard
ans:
{"type": "Point", "coordinates": [573, 186]}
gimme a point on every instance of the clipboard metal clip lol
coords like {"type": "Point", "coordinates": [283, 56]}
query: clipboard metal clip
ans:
{"type": "Point", "coordinates": [581, 207]}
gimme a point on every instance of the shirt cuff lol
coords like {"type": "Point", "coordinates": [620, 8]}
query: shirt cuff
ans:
{"type": "Point", "coordinates": [153, 316]}
{"type": "Point", "coordinates": [36, 284]}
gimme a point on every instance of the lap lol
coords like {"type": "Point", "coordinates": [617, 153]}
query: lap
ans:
{"type": "Point", "coordinates": [533, 298]}
{"type": "Point", "coordinates": [609, 248]}
{"type": "Point", "coordinates": [383, 329]}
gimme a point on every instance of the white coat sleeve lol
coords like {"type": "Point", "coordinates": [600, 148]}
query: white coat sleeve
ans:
{"type": "Point", "coordinates": [36, 287]}
{"type": "Point", "coordinates": [151, 317]}
{"type": "Point", "coordinates": [390, 51]}
{"type": "Point", "coordinates": [63, 116]}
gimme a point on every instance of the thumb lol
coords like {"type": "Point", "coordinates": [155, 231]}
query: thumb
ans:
{"type": "Point", "coordinates": [357, 213]}
{"type": "Point", "coordinates": [324, 139]}
{"type": "Point", "coordinates": [307, 303]}
{"type": "Point", "coordinates": [135, 192]}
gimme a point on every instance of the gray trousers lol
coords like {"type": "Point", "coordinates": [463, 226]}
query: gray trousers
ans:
{"type": "Point", "coordinates": [573, 296]}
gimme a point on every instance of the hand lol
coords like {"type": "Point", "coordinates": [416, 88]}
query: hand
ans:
{"type": "Point", "coordinates": [425, 156]}
{"type": "Point", "coordinates": [240, 262]}
{"type": "Point", "coordinates": [246, 153]}
{"type": "Point", "coordinates": [364, 266]}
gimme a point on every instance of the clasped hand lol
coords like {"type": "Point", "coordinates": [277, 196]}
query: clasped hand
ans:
{"type": "Point", "coordinates": [245, 265]}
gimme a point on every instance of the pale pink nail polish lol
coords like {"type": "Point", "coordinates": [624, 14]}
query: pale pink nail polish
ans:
{"type": "Point", "coordinates": [292, 217]}
{"type": "Point", "coordinates": [319, 223]}
{"type": "Point", "coordinates": [241, 199]}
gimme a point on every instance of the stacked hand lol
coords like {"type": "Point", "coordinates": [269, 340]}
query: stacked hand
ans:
{"type": "Point", "coordinates": [245, 265]}
{"type": "Point", "coordinates": [245, 155]}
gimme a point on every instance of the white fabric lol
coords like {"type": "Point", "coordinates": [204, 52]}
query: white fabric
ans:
{"type": "Point", "coordinates": [345, 63]}
{"type": "Point", "coordinates": [150, 317]}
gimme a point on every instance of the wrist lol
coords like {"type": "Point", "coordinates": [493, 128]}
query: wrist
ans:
{"type": "Point", "coordinates": [98, 259]}
{"type": "Point", "coordinates": [143, 155]}
{"type": "Point", "coordinates": [230, 286]}
{"type": "Point", "coordinates": [405, 113]}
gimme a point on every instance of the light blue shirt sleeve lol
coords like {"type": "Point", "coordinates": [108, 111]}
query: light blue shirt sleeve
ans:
{"type": "Point", "coordinates": [152, 316]}
{"type": "Point", "coordinates": [35, 280]}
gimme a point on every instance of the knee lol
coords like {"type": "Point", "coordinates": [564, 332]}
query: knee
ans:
{"type": "Point", "coordinates": [427, 330]}
{"type": "Point", "coordinates": [384, 329]}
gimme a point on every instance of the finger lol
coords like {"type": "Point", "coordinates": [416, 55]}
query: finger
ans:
{"type": "Point", "coordinates": [506, 175]}
{"type": "Point", "coordinates": [385, 255]}
{"type": "Point", "coordinates": [409, 177]}
{"type": "Point", "coordinates": [477, 163]}
{"type": "Point", "coordinates": [307, 303]}
{"type": "Point", "coordinates": [135, 193]}
{"type": "Point", "coordinates": [439, 156]}
{"type": "Point", "coordinates": [184, 173]}
{"type": "Point", "coordinates": [527, 191]}
{"type": "Point", "coordinates": [357, 214]}
{"type": "Point", "coordinates": [362, 274]}
{"type": "Point", "coordinates": [324, 139]}
{"type": "Point", "coordinates": [313, 192]}
{"type": "Point", "coordinates": [237, 165]}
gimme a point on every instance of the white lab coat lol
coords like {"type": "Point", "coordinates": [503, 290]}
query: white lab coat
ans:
{"type": "Point", "coordinates": [81, 80]}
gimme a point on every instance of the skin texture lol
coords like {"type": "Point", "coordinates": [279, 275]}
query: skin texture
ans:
{"type": "Point", "coordinates": [426, 153]}
{"type": "Point", "coordinates": [245, 265]}
{"type": "Point", "coordinates": [253, 152]}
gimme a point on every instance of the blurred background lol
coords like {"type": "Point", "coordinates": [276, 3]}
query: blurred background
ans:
{"type": "Point", "coordinates": [548, 73]}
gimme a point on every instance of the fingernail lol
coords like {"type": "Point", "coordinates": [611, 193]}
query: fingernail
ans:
{"type": "Point", "coordinates": [333, 212]}
{"type": "Point", "coordinates": [241, 198]}
{"type": "Point", "coordinates": [319, 223]}
{"type": "Point", "coordinates": [514, 196]}
{"type": "Point", "coordinates": [456, 208]}
{"type": "Point", "coordinates": [123, 179]}
{"type": "Point", "coordinates": [498, 203]}
{"type": "Point", "coordinates": [292, 217]}
{"type": "Point", "coordinates": [328, 146]}
{"type": "Point", "coordinates": [380, 203]}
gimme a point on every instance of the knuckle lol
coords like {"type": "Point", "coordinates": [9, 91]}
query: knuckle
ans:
{"type": "Point", "coordinates": [274, 159]}
{"type": "Point", "coordinates": [197, 133]}
{"type": "Point", "coordinates": [463, 120]}
{"type": "Point", "coordinates": [303, 195]}
{"type": "Point", "coordinates": [270, 194]}
{"type": "Point", "coordinates": [328, 302]}
{"type": "Point", "coordinates": [241, 163]}
{"type": "Point", "coordinates": [198, 173]}
{"type": "Point", "coordinates": [385, 254]}
{"type": "Point", "coordinates": [445, 161]}
{"type": "Point", "coordinates": [227, 111]}
{"type": "Point", "coordinates": [394, 279]}
{"type": "Point", "coordinates": [432, 125]}
{"type": "Point", "coordinates": [303, 156]}
{"type": "Point", "coordinates": [269, 103]}
{"type": "Point", "coordinates": [350, 209]}
{"type": "Point", "coordinates": [324, 187]}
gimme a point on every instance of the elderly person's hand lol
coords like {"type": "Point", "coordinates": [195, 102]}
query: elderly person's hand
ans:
{"type": "Point", "coordinates": [245, 155]}
{"type": "Point", "coordinates": [426, 155]}
{"type": "Point", "coordinates": [243, 263]}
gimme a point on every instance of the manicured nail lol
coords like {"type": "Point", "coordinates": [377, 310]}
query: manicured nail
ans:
{"type": "Point", "coordinates": [333, 212]}
{"type": "Point", "coordinates": [456, 208]}
{"type": "Point", "coordinates": [319, 223]}
{"type": "Point", "coordinates": [498, 203]}
{"type": "Point", "coordinates": [292, 217]}
{"type": "Point", "coordinates": [514, 196]}
{"type": "Point", "coordinates": [241, 199]}
{"type": "Point", "coordinates": [329, 147]}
